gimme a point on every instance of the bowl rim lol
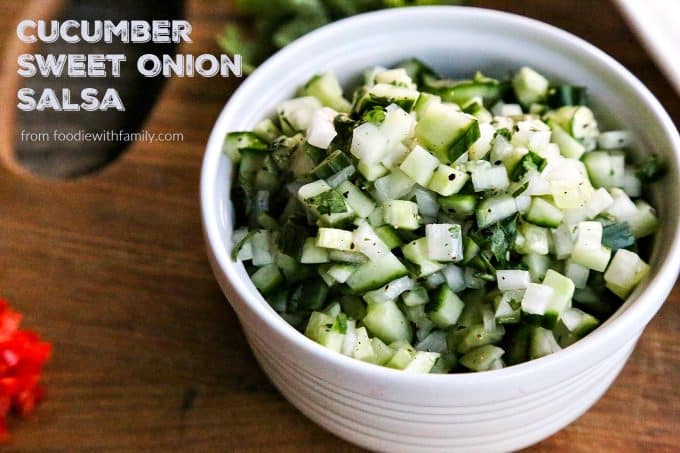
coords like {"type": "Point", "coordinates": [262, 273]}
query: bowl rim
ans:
{"type": "Point", "coordinates": [642, 305]}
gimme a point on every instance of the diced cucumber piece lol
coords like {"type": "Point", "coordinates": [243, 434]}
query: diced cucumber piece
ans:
{"type": "Point", "coordinates": [538, 265]}
{"type": "Point", "coordinates": [489, 177]}
{"type": "Point", "coordinates": [445, 308]}
{"type": "Point", "coordinates": [544, 213]}
{"type": "Point", "coordinates": [376, 273]}
{"type": "Point", "coordinates": [321, 131]}
{"type": "Point", "coordinates": [622, 208]}
{"type": "Point", "coordinates": [542, 343]}
{"type": "Point", "coordinates": [475, 336]}
{"type": "Point", "coordinates": [455, 277]}
{"type": "Point", "coordinates": [325, 276]}
{"type": "Point", "coordinates": [402, 214]}
{"type": "Point", "coordinates": [369, 144]}
{"type": "Point", "coordinates": [320, 198]}
{"type": "Point", "coordinates": [501, 110]}
{"type": "Point", "coordinates": [422, 362]}
{"type": "Point", "coordinates": [444, 242]}
{"type": "Point", "coordinates": [368, 242]}
{"type": "Point", "coordinates": [472, 279]}
{"type": "Point", "coordinates": [482, 89]}
{"type": "Point", "coordinates": [295, 115]}
{"type": "Point", "coordinates": [350, 339]}
{"type": "Point", "coordinates": [333, 238]}
{"type": "Point", "coordinates": [235, 142]}
{"type": "Point", "coordinates": [383, 353]}
{"type": "Point", "coordinates": [625, 272]}
{"type": "Point", "coordinates": [417, 252]}
{"type": "Point", "coordinates": [363, 349]}
{"type": "Point", "coordinates": [560, 300]}
{"type": "Point", "coordinates": [383, 94]}
{"type": "Point", "coordinates": [605, 169]}
{"type": "Point", "coordinates": [424, 102]}
{"type": "Point", "coordinates": [387, 322]}
{"type": "Point", "coordinates": [353, 306]}
{"type": "Point", "coordinates": [343, 256]}
{"type": "Point", "coordinates": [577, 273]}
{"type": "Point", "coordinates": [313, 254]}
{"type": "Point", "coordinates": [518, 350]}
{"type": "Point", "coordinates": [398, 128]}
{"type": "Point", "coordinates": [569, 146]}
{"type": "Point", "coordinates": [615, 139]}
{"type": "Point", "coordinates": [404, 354]}
{"type": "Point", "coordinates": [335, 162]}
{"type": "Point", "coordinates": [569, 194]}
{"type": "Point", "coordinates": [318, 321]}
{"type": "Point", "coordinates": [536, 299]}
{"type": "Point", "coordinates": [356, 199]}
{"type": "Point", "coordinates": [512, 279]}
{"type": "Point", "coordinates": [397, 77]}
{"type": "Point", "coordinates": [376, 218]}
{"type": "Point", "coordinates": [508, 307]}
{"type": "Point", "coordinates": [532, 134]}
{"type": "Point", "coordinates": [563, 241]}
{"type": "Point", "coordinates": [391, 291]}
{"type": "Point", "coordinates": [462, 205]}
{"type": "Point", "coordinates": [532, 239]}
{"type": "Point", "coordinates": [599, 201]}
{"type": "Point", "coordinates": [331, 339]}
{"type": "Point", "coordinates": [445, 363]}
{"type": "Point", "coordinates": [588, 250]}
{"type": "Point", "coordinates": [262, 247]}
{"type": "Point", "coordinates": [372, 171]}
{"type": "Point", "coordinates": [267, 130]}
{"type": "Point", "coordinates": [427, 204]}
{"type": "Point", "coordinates": [574, 325]}
{"type": "Point", "coordinates": [579, 121]}
{"type": "Point", "coordinates": [341, 272]}
{"type": "Point", "coordinates": [419, 165]}
{"type": "Point", "coordinates": [644, 222]}
{"type": "Point", "coordinates": [389, 236]}
{"type": "Point", "coordinates": [494, 209]}
{"type": "Point", "coordinates": [447, 180]}
{"type": "Point", "coordinates": [416, 296]}
{"type": "Point", "coordinates": [293, 270]}
{"type": "Point", "coordinates": [416, 314]}
{"type": "Point", "coordinates": [310, 294]}
{"type": "Point", "coordinates": [435, 341]}
{"type": "Point", "coordinates": [393, 186]}
{"type": "Point", "coordinates": [446, 131]}
{"type": "Point", "coordinates": [267, 278]}
{"type": "Point", "coordinates": [241, 243]}
{"type": "Point", "coordinates": [327, 90]}
{"type": "Point", "coordinates": [481, 358]}
{"type": "Point", "coordinates": [480, 148]}
{"type": "Point", "coordinates": [530, 86]}
{"type": "Point", "coordinates": [631, 183]}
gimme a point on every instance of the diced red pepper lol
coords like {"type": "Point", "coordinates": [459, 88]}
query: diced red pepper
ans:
{"type": "Point", "coordinates": [22, 355]}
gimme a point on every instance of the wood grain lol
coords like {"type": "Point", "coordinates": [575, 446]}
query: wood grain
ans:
{"type": "Point", "coordinates": [148, 355]}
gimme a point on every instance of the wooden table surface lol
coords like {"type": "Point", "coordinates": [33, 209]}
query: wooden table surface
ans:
{"type": "Point", "coordinates": [148, 355]}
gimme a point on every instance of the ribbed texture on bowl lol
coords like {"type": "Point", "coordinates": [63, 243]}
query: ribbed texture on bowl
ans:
{"type": "Point", "coordinates": [365, 420]}
{"type": "Point", "coordinates": [387, 410]}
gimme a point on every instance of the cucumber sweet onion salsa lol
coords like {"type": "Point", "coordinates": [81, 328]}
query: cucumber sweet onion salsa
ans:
{"type": "Point", "coordinates": [435, 225]}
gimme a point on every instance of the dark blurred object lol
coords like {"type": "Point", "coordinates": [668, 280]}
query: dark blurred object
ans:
{"type": "Point", "coordinates": [63, 159]}
{"type": "Point", "coordinates": [277, 23]}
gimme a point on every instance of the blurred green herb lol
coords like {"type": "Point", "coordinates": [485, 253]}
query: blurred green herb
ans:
{"type": "Point", "coordinates": [650, 169]}
{"type": "Point", "coordinates": [277, 23]}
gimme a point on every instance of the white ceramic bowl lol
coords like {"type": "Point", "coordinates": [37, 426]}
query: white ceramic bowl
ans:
{"type": "Point", "coordinates": [387, 410]}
